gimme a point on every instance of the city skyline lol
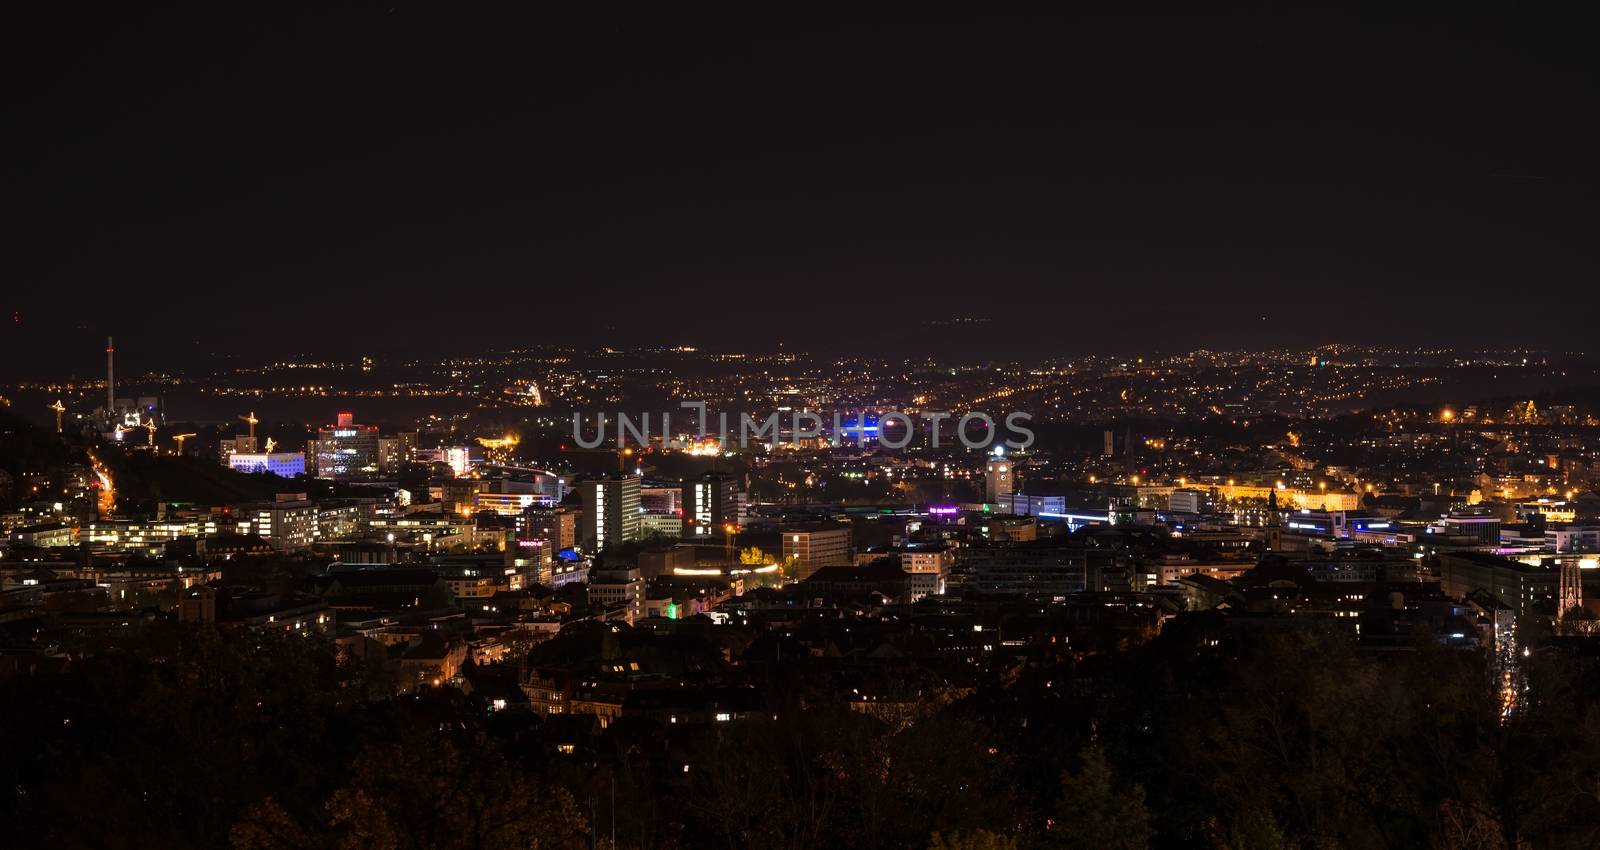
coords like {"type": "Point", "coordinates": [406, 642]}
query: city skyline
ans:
{"type": "Point", "coordinates": [539, 427]}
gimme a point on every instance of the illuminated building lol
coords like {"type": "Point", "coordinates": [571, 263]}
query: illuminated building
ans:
{"type": "Point", "coordinates": [665, 525]}
{"type": "Point", "coordinates": [459, 459]}
{"type": "Point", "coordinates": [345, 450]}
{"type": "Point", "coordinates": [999, 476]}
{"type": "Point", "coordinates": [1551, 511]}
{"type": "Point", "coordinates": [1321, 523]}
{"type": "Point", "coordinates": [815, 546]}
{"type": "Point", "coordinates": [281, 464]}
{"type": "Point", "coordinates": [1572, 537]}
{"type": "Point", "coordinates": [507, 504]}
{"type": "Point", "coordinates": [45, 535]}
{"type": "Point", "coordinates": [395, 452]}
{"type": "Point", "coordinates": [558, 526]}
{"type": "Point", "coordinates": [610, 511]}
{"type": "Point", "coordinates": [499, 451]}
{"type": "Point", "coordinates": [547, 487]}
{"type": "Point", "coordinates": [147, 536]}
{"type": "Point", "coordinates": [1481, 529]}
{"type": "Point", "coordinates": [344, 518]}
{"type": "Point", "coordinates": [928, 568]}
{"type": "Point", "coordinates": [1324, 500]}
{"type": "Point", "coordinates": [1186, 501]}
{"type": "Point", "coordinates": [288, 523]}
{"type": "Point", "coordinates": [710, 502]}
{"type": "Point", "coordinates": [241, 444]}
{"type": "Point", "coordinates": [458, 495]}
{"type": "Point", "coordinates": [1570, 590]}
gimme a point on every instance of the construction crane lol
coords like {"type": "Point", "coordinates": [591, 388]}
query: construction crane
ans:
{"type": "Point", "coordinates": [149, 425]}
{"type": "Point", "coordinates": [251, 420]}
{"type": "Point", "coordinates": [271, 444]}
{"type": "Point", "coordinates": [59, 408]}
{"type": "Point", "coordinates": [180, 438]}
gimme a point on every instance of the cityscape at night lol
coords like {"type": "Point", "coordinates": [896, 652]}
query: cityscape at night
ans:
{"type": "Point", "coordinates": [428, 428]}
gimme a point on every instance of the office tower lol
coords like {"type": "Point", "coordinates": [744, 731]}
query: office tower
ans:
{"type": "Point", "coordinates": [395, 452]}
{"type": "Point", "coordinates": [710, 502]}
{"type": "Point", "coordinates": [610, 511]}
{"type": "Point", "coordinates": [345, 450]}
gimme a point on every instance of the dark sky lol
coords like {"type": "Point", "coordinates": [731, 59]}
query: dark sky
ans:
{"type": "Point", "coordinates": [426, 175]}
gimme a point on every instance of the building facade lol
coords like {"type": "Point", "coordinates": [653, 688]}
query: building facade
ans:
{"type": "Point", "coordinates": [611, 514]}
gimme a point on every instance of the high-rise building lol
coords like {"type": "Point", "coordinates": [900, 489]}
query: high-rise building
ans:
{"type": "Point", "coordinates": [710, 502]}
{"type": "Point", "coordinates": [610, 511]}
{"type": "Point", "coordinates": [395, 452]}
{"type": "Point", "coordinates": [345, 450]}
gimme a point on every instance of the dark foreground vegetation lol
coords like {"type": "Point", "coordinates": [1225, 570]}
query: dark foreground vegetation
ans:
{"type": "Point", "coordinates": [198, 738]}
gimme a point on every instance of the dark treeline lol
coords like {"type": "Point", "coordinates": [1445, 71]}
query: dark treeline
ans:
{"type": "Point", "coordinates": [188, 738]}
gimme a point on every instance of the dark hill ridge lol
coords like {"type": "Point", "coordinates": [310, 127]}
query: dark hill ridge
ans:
{"type": "Point", "coordinates": [141, 477]}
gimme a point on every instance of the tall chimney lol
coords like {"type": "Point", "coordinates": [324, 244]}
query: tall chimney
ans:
{"type": "Point", "coordinates": [111, 379]}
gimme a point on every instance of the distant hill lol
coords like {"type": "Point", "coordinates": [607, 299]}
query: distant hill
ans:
{"type": "Point", "coordinates": [25, 447]}
{"type": "Point", "coordinates": [141, 477]}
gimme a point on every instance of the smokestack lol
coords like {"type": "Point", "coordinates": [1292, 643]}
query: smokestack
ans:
{"type": "Point", "coordinates": [111, 379]}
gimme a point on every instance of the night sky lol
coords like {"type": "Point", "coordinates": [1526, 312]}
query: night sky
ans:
{"type": "Point", "coordinates": [429, 177]}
